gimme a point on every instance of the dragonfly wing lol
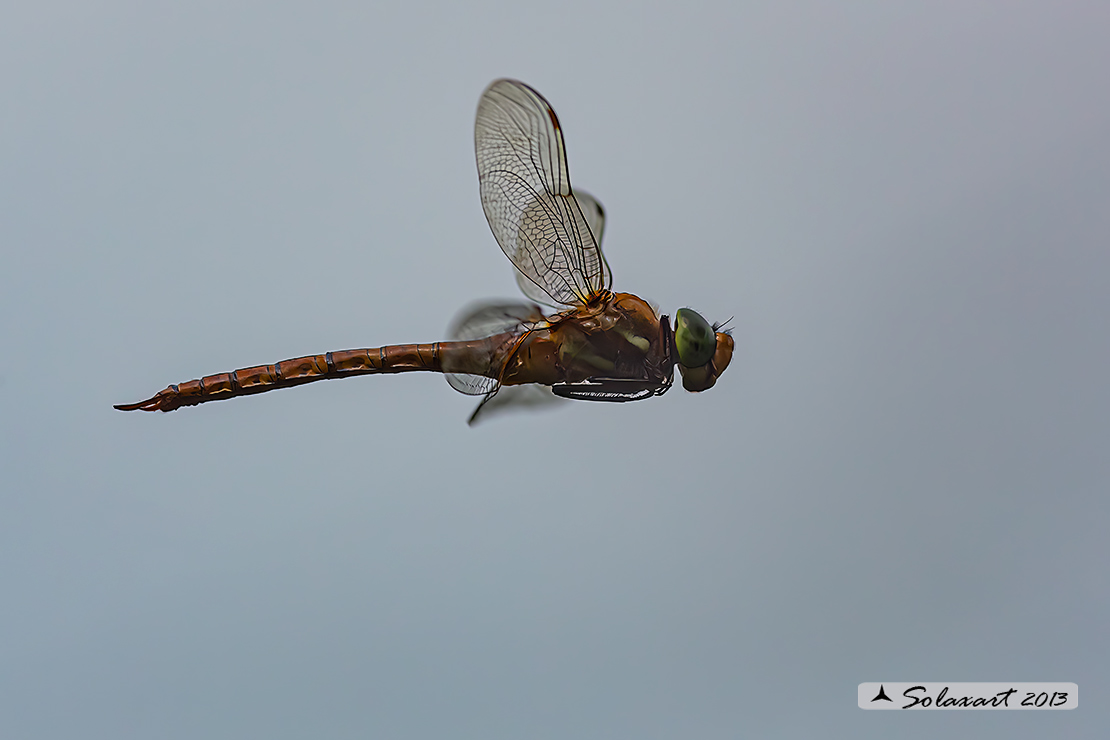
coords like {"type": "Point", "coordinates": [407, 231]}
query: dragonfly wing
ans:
{"type": "Point", "coordinates": [595, 216]}
{"type": "Point", "coordinates": [595, 219]}
{"type": "Point", "coordinates": [515, 398]}
{"type": "Point", "coordinates": [526, 195]}
{"type": "Point", "coordinates": [486, 319]}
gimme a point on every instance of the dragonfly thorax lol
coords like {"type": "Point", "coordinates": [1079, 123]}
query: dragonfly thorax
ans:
{"type": "Point", "coordinates": [619, 338]}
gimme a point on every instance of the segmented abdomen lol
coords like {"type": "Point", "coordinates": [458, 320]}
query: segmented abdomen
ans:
{"type": "Point", "coordinates": [470, 356]}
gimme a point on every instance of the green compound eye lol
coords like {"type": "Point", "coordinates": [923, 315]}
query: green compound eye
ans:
{"type": "Point", "coordinates": [695, 338]}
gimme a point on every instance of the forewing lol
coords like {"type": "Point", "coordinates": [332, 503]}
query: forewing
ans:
{"type": "Point", "coordinates": [595, 220]}
{"type": "Point", "coordinates": [485, 320]}
{"type": "Point", "coordinates": [527, 197]}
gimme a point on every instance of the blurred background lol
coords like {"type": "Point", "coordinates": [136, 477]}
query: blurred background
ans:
{"type": "Point", "coordinates": [902, 476]}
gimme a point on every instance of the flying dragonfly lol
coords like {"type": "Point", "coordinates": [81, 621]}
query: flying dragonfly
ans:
{"type": "Point", "coordinates": [595, 344]}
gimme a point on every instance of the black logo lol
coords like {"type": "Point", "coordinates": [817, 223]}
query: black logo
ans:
{"type": "Point", "coordinates": [882, 695]}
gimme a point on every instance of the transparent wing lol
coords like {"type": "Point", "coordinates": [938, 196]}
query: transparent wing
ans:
{"type": "Point", "coordinates": [486, 319]}
{"type": "Point", "coordinates": [527, 198]}
{"type": "Point", "coordinates": [595, 219]}
{"type": "Point", "coordinates": [514, 398]}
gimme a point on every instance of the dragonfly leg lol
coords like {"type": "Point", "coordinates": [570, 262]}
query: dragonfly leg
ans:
{"type": "Point", "coordinates": [610, 389]}
{"type": "Point", "coordinates": [483, 402]}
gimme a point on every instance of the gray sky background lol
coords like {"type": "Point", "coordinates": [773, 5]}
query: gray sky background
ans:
{"type": "Point", "coordinates": [902, 476]}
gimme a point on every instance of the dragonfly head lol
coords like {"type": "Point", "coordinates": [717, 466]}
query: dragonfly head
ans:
{"type": "Point", "coordinates": [703, 352]}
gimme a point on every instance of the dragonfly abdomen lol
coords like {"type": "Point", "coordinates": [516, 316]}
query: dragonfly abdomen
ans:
{"type": "Point", "coordinates": [469, 356]}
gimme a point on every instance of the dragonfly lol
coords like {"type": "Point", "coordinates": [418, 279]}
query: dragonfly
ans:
{"type": "Point", "coordinates": [593, 344]}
